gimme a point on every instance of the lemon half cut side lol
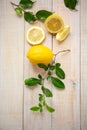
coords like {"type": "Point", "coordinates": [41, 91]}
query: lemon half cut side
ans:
{"type": "Point", "coordinates": [35, 35]}
{"type": "Point", "coordinates": [54, 23]}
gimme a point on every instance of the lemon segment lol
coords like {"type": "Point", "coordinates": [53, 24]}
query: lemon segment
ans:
{"type": "Point", "coordinates": [54, 23]}
{"type": "Point", "coordinates": [35, 35]}
{"type": "Point", "coordinates": [61, 35]}
{"type": "Point", "coordinates": [40, 54]}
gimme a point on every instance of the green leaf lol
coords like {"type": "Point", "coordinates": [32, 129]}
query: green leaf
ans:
{"type": "Point", "coordinates": [50, 109]}
{"type": "Point", "coordinates": [35, 108]}
{"type": "Point", "coordinates": [29, 17]}
{"type": "Point", "coordinates": [41, 109]}
{"type": "Point", "coordinates": [44, 103]}
{"type": "Point", "coordinates": [57, 83]}
{"type": "Point", "coordinates": [32, 81]}
{"type": "Point", "coordinates": [47, 92]}
{"type": "Point", "coordinates": [41, 97]}
{"type": "Point", "coordinates": [18, 11]}
{"type": "Point", "coordinates": [43, 66]}
{"type": "Point", "coordinates": [26, 3]}
{"type": "Point", "coordinates": [39, 76]}
{"type": "Point", "coordinates": [43, 14]}
{"type": "Point", "coordinates": [71, 4]}
{"type": "Point", "coordinates": [48, 77]}
{"type": "Point", "coordinates": [40, 106]}
{"type": "Point", "coordinates": [59, 72]}
{"type": "Point", "coordinates": [49, 73]}
{"type": "Point", "coordinates": [58, 64]}
{"type": "Point", "coordinates": [52, 67]}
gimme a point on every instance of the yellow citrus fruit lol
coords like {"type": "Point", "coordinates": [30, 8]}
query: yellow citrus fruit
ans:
{"type": "Point", "coordinates": [54, 23]}
{"type": "Point", "coordinates": [40, 54]}
{"type": "Point", "coordinates": [61, 35]}
{"type": "Point", "coordinates": [35, 35]}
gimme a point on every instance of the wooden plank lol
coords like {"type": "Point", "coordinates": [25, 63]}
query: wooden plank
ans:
{"type": "Point", "coordinates": [83, 65]}
{"type": "Point", "coordinates": [11, 67]}
{"type": "Point", "coordinates": [67, 102]}
{"type": "Point", "coordinates": [32, 120]}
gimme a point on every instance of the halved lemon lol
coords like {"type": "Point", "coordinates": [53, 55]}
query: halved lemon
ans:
{"type": "Point", "coordinates": [61, 35]}
{"type": "Point", "coordinates": [35, 35]}
{"type": "Point", "coordinates": [54, 23]}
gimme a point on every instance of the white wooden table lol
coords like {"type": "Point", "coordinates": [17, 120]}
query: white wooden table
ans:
{"type": "Point", "coordinates": [15, 99]}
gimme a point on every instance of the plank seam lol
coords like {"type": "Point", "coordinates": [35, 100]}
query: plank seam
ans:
{"type": "Point", "coordinates": [80, 60]}
{"type": "Point", "coordinates": [52, 50]}
{"type": "Point", "coordinates": [23, 80]}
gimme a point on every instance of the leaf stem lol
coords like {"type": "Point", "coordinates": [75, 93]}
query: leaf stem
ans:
{"type": "Point", "coordinates": [17, 6]}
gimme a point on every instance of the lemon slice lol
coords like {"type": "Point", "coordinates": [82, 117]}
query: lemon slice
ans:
{"type": "Point", "coordinates": [35, 35]}
{"type": "Point", "coordinates": [63, 33]}
{"type": "Point", "coordinates": [54, 23]}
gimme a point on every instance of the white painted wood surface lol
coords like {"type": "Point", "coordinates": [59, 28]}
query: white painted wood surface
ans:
{"type": "Point", "coordinates": [15, 98]}
{"type": "Point", "coordinates": [83, 65]}
{"type": "Point", "coordinates": [11, 68]}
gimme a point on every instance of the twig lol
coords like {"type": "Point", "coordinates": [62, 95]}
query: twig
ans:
{"type": "Point", "coordinates": [17, 6]}
{"type": "Point", "coordinates": [68, 50]}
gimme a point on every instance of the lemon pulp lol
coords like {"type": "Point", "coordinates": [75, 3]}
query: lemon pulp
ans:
{"type": "Point", "coordinates": [61, 35]}
{"type": "Point", "coordinates": [35, 35]}
{"type": "Point", "coordinates": [54, 23]}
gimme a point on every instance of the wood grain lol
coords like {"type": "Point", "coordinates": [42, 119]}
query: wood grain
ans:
{"type": "Point", "coordinates": [15, 98]}
{"type": "Point", "coordinates": [11, 67]}
{"type": "Point", "coordinates": [83, 65]}
{"type": "Point", "coordinates": [32, 120]}
{"type": "Point", "coordinates": [67, 102]}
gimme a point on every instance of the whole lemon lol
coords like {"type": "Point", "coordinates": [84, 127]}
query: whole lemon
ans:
{"type": "Point", "coordinates": [40, 54]}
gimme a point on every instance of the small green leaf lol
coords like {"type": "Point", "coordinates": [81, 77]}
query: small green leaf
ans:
{"type": "Point", "coordinates": [48, 77]}
{"type": "Point", "coordinates": [52, 67]}
{"type": "Point", "coordinates": [41, 109]}
{"type": "Point", "coordinates": [43, 66]}
{"type": "Point", "coordinates": [49, 73]}
{"type": "Point", "coordinates": [47, 92]}
{"type": "Point", "coordinates": [39, 76]}
{"type": "Point", "coordinates": [18, 11]}
{"type": "Point", "coordinates": [57, 83]}
{"type": "Point", "coordinates": [29, 17]}
{"type": "Point", "coordinates": [26, 3]}
{"type": "Point", "coordinates": [43, 14]}
{"type": "Point", "coordinates": [59, 72]}
{"type": "Point", "coordinates": [35, 108]}
{"type": "Point", "coordinates": [50, 109]}
{"type": "Point", "coordinates": [40, 105]}
{"type": "Point", "coordinates": [71, 4]}
{"type": "Point", "coordinates": [41, 97]}
{"type": "Point", "coordinates": [58, 64]}
{"type": "Point", "coordinates": [32, 81]}
{"type": "Point", "coordinates": [44, 103]}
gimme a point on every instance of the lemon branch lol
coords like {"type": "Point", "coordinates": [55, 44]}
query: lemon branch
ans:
{"type": "Point", "coordinates": [68, 50]}
{"type": "Point", "coordinates": [63, 51]}
{"type": "Point", "coordinates": [29, 16]}
{"type": "Point", "coordinates": [13, 4]}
